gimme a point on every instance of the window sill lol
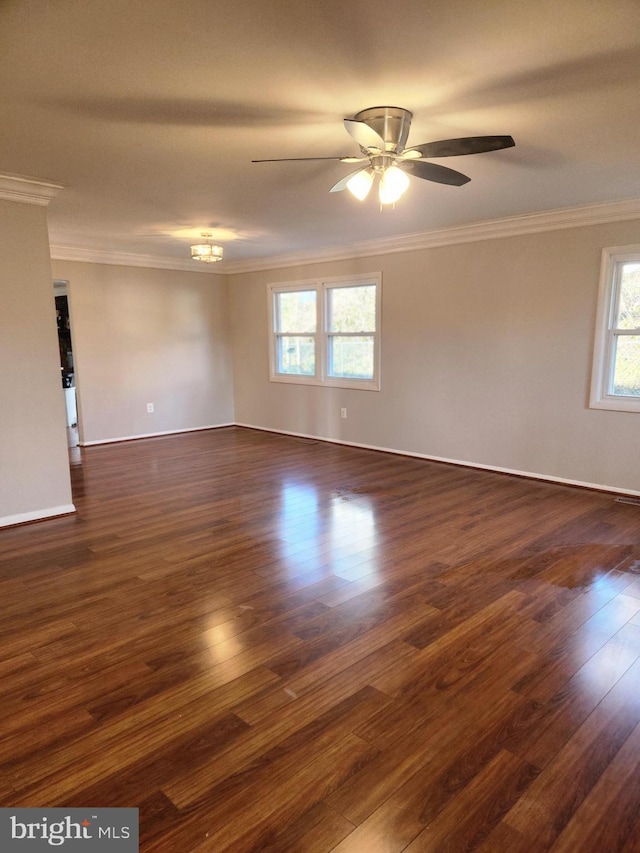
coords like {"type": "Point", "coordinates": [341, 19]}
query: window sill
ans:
{"type": "Point", "coordinates": [616, 404]}
{"type": "Point", "coordinates": [355, 384]}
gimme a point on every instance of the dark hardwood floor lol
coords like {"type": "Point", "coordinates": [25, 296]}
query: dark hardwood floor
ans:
{"type": "Point", "coordinates": [271, 644]}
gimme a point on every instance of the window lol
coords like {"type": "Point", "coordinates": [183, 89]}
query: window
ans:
{"type": "Point", "coordinates": [326, 332]}
{"type": "Point", "coordinates": [616, 365]}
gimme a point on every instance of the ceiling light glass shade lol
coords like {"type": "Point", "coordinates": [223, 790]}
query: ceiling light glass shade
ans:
{"type": "Point", "coordinates": [392, 184]}
{"type": "Point", "coordinates": [360, 184]}
{"type": "Point", "coordinates": [207, 253]}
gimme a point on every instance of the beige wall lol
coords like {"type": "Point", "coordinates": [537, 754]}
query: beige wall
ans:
{"type": "Point", "coordinates": [148, 336]}
{"type": "Point", "coordinates": [486, 359]}
{"type": "Point", "coordinates": [34, 465]}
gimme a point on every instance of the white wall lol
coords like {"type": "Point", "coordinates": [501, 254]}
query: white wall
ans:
{"type": "Point", "coordinates": [34, 465]}
{"type": "Point", "coordinates": [486, 359]}
{"type": "Point", "coordinates": [148, 336]}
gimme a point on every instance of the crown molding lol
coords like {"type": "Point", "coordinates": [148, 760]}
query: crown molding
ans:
{"type": "Point", "coordinates": [129, 259]}
{"type": "Point", "coordinates": [28, 190]}
{"type": "Point", "coordinates": [529, 223]}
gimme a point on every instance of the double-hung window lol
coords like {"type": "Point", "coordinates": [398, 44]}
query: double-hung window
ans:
{"type": "Point", "coordinates": [326, 332]}
{"type": "Point", "coordinates": [296, 332]}
{"type": "Point", "coordinates": [616, 365]}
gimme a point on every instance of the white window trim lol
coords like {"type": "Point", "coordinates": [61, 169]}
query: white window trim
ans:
{"type": "Point", "coordinates": [322, 286]}
{"type": "Point", "coordinates": [603, 349]}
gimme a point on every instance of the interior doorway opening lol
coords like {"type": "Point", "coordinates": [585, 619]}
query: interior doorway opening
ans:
{"type": "Point", "coordinates": [67, 367]}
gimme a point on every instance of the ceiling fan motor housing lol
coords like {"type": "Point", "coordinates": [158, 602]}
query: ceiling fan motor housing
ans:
{"type": "Point", "coordinates": [391, 123]}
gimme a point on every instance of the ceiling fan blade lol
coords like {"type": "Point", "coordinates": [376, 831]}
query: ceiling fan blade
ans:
{"type": "Point", "coordinates": [295, 159]}
{"type": "Point", "coordinates": [465, 145]}
{"type": "Point", "coordinates": [342, 183]}
{"type": "Point", "coordinates": [364, 135]}
{"type": "Point", "coordinates": [434, 172]}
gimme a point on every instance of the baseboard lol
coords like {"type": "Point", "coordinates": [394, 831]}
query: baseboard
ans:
{"type": "Point", "coordinates": [151, 435]}
{"type": "Point", "coordinates": [36, 515]}
{"type": "Point", "coordinates": [530, 475]}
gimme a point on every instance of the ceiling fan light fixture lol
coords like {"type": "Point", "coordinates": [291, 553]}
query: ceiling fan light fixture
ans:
{"type": "Point", "coordinates": [360, 184]}
{"type": "Point", "coordinates": [393, 184]}
{"type": "Point", "coordinates": [382, 134]}
{"type": "Point", "coordinates": [206, 252]}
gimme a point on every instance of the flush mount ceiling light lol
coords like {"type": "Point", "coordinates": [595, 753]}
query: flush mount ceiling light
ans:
{"type": "Point", "coordinates": [381, 133]}
{"type": "Point", "coordinates": [206, 252]}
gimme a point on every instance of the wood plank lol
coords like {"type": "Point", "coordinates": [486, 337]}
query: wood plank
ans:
{"type": "Point", "coordinates": [566, 657]}
{"type": "Point", "coordinates": [607, 819]}
{"type": "Point", "coordinates": [568, 708]}
{"type": "Point", "coordinates": [280, 804]}
{"type": "Point", "coordinates": [404, 789]}
{"type": "Point", "coordinates": [120, 743]}
{"type": "Point", "coordinates": [466, 822]}
{"type": "Point", "coordinates": [186, 789]}
{"type": "Point", "coordinates": [317, 830]}
{"type": "Point", "coordinates": [238, 782]}
{"type": "Point", "coordinates": [546, 808]}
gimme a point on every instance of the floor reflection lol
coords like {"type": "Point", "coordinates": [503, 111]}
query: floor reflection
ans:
{"type": "Point", "coordinates": [224, 645]}
{"type": "Point", "coordinates": [321, 536]}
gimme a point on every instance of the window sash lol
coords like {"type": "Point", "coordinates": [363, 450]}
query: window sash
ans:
{"type": "Point", "coordinates": [300, 339]}
{"type": "Point", "coordinates": [331, 368]}
{"type": "Point", "coordinates": [278, 313]}
{"type": "Point", "coordinates": [330, 310]}
{"type": "Point", "coordinates": [616, 362]}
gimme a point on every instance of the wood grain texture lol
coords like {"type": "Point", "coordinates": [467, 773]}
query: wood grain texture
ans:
{"type": "Point", "coordinates": [271, 644]}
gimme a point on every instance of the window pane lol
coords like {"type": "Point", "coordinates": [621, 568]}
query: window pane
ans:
{"type": "Point", "coordinates": [351, 357]}
{"type": "Point", "coordinates": [297, 355]}
{"type": "Point", "coordinates": [629, 305]}
{"type": "Point", "coordinates": [296, 311]}
{"type": "Point", "coordinates": [626, 373]}
{"type": "Point", "coordinates": [352, 309]}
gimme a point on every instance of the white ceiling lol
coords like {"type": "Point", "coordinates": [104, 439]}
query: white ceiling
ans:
{"type": "Point", "coordinates": [149, 114]}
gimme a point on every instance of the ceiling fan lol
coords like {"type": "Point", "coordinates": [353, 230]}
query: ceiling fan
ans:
{"type": "Point", "coordinates": [381, 133]}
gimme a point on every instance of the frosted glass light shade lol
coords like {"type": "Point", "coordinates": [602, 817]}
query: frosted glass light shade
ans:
{"type": "Point", "coordinates": [360, 184]}
{"type": "Point", "coordinates": [392, 184]}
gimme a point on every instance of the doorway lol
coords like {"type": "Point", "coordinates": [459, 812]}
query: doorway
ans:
{"type": "Point", "coordinates": [67, 368]}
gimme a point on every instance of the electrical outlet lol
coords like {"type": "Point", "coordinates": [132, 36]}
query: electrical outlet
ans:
{"type": "Point", "coordinates": [150, 408]}
{"type": "Point", "coordinates": [343, 413]}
